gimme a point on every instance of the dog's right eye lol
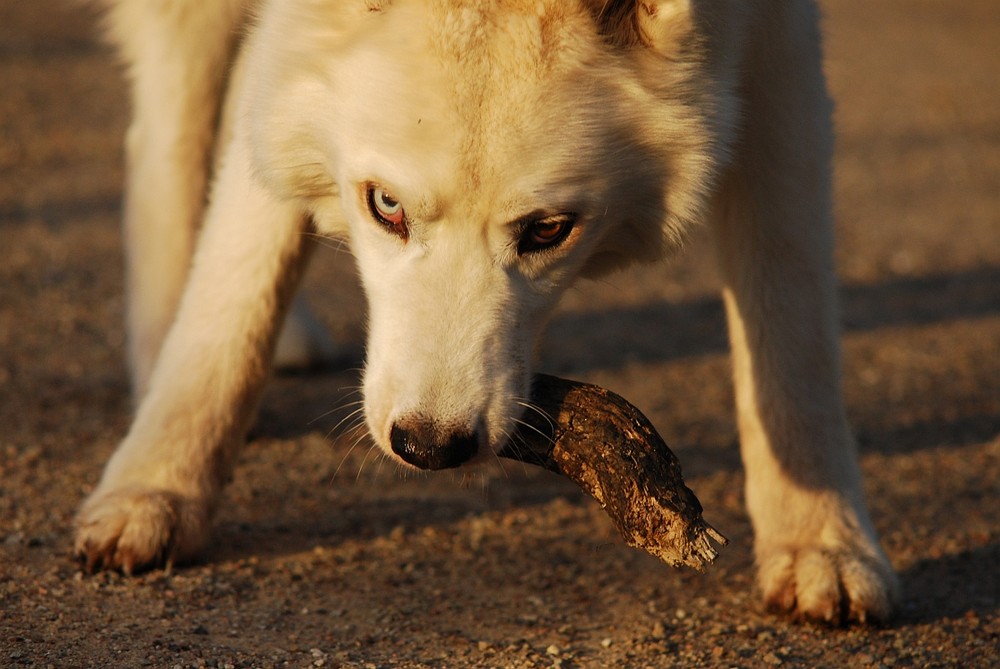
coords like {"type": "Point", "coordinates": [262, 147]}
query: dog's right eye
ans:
{"type": "Point", "coordinates": [387, 211]}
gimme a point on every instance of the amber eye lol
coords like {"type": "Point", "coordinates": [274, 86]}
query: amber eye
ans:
{"type": "Point", "coordinates": [545, 233]}
{"type": "Point", "coordinates": [387, 211]}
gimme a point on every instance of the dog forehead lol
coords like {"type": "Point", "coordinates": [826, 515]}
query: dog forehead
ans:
{"type": "Point", "coordinates": [481, 102]}
{"type": "Point", "coordinates": [533, 31]}
{"type": "Point", "coordinates": [519, 80]}
{"type": "Point", "coordinates": [515, 50]}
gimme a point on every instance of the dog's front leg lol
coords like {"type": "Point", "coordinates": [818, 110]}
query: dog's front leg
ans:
{"type": "Point", "coordinates": [156, 496]}
{"type": "Point", "coordinates": [817, 552]}
{"type": "Point", "coordinates": [177, 55]}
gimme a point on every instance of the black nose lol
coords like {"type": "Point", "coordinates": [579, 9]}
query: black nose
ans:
{"type": "Point", "coordinates": [423, 444]}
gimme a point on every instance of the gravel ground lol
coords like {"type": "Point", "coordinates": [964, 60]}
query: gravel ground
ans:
{"type": "Point", "coordinates": [325, 557]}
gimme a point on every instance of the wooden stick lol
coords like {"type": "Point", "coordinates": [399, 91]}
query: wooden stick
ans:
{"type": "Point", "coordinates": [607, 447]}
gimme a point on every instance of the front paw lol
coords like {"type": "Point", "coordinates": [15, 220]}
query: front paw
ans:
{"type": "Point", "coordinates": [834, 582]}
{"type": "Point", "coordinates": [137, 528]}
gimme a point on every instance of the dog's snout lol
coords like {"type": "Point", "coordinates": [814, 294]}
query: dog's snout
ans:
{"type": "Point", "coordinates": [423, 444]}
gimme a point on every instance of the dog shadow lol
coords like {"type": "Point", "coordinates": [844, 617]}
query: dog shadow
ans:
{"type": "Point", "coordinates": [960, 585]}
{"type": "Point", "coordinates": [663, 331]}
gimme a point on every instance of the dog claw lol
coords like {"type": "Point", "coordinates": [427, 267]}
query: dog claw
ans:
{"type": "Point", "coordinates": [825, 586]}
{"type": "Point", "coordinates": [134, 530]}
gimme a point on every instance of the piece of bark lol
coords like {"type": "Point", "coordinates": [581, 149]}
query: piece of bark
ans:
{"type": "Point", "coordinates": [607, 447]}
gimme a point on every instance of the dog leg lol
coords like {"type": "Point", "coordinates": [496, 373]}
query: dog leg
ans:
{"type": "Point", "coordinates": [156, 496]}
{"type": "Point", "coordinates": [177, 54]}
{"type": "Point", "coordinates": [816, 550]}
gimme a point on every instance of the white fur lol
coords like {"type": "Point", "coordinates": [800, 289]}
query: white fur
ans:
{"type": "Point", "coordinates": [640, 120]}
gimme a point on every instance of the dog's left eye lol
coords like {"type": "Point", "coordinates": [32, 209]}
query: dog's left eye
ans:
{"type": "Point", "coordinates": [545, 233]}
{"type": "Point", "coordinates": [387, 210]}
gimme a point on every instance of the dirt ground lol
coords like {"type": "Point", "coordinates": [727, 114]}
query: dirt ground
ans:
{"type": "Point", "coordinates": [323, 556]}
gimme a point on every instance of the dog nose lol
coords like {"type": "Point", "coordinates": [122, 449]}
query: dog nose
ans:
{"type": "Point", "coordinates": [423, 444]}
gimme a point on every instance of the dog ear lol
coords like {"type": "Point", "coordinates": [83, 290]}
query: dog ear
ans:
{"type": "Point", "coordinates": [666, 26]}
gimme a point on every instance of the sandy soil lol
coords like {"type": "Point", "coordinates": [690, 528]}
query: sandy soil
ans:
{"type": "Point", "coordinates": [325, 557]}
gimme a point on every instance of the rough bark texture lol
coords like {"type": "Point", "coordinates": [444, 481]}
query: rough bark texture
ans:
{"type": "Point", "coordinates": [610, 449]}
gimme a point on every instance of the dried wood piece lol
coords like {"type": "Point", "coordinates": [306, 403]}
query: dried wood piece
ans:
{"type": "Point", "coordinates": [607, 447]}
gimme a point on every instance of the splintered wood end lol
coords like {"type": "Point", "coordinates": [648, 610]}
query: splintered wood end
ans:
{"type": "Point", "coordinates": [611, 450]}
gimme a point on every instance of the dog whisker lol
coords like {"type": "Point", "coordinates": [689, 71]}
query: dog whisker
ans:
{"type": "Point", "coordinates": [340, 407]}
{"type": "Point", "coordinates": [362, 431]}
{"type": "Point", "coordinates": [538, 410]}
{"type": "Point", "coordinates": [357, 431]}
{"type": "Point", "coordinates": [544, 435]}
{"type": "Point", "coordinates": [353, 415]}
{"type": "Point", "coordinates": [325, 241]}
{"type": "Point", "coordinates": [373, 447]}
{"type": "Point", "coordinates": [516, 442]}
{"type": "Point", "coordinates": [382, 458]}
{"type": "Point", "coordinates": [508, 439]}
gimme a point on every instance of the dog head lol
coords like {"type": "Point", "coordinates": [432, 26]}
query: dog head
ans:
{"type": "Point", "coordinates": [479, 156]}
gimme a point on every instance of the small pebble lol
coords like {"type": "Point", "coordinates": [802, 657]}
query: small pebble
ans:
{"type": "Point", "coordinates": [606, 642]}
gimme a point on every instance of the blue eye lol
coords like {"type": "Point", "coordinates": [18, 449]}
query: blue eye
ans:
{"type": "Point", "coordinates": [387, 211]}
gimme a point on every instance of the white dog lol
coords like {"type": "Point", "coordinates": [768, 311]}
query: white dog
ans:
{"type": "Point", "coordinates": [478, 156]}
